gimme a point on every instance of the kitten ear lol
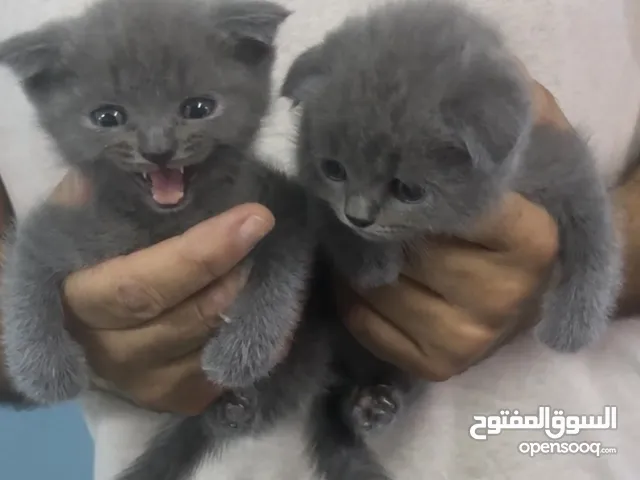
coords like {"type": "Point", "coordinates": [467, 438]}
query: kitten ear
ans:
{"type": "Point", "coordinates": [35, 57]}
{"type": "Point", "coordinates": [305, 76]}
{"type": "Point", "coordinates": [252, 26]}
{"type": "Point", "coordinates": [494, 125]}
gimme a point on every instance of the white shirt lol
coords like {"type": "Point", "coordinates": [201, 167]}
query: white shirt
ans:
{"type": "Point", "coordinates": [582, 50]}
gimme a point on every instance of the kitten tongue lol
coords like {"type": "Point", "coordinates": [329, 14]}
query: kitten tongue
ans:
{"type": "Point", "coordinates": [167, 186]}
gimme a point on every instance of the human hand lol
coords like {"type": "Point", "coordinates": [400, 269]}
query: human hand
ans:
{"type": "Point", "coordinates": [626, 202]}
{"type": "Point", "coordinates": [459, 300]}
{"type": "Point", "coordinates": [144, 318]}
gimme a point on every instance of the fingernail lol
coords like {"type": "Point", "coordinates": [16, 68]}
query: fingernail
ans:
{"type": "Point", "coordinates": [216, 301]}
{"type": "Point", "coordinates": [253, 230]}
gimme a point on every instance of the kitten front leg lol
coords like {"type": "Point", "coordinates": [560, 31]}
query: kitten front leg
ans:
{"type": "Point", "coordinates": [45, 364]}
{"type": "Point", "coordinates": [577, 309]}
{"type": "Point", "coordinates": [579, 305]}
{"type": "Point", "coordinates": [262, 319]}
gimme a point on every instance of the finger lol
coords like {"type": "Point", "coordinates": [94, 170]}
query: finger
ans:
{"type": "Point", "coordinates": [181, 331]}
{"type": "Point", "coordinates": [6, 210]}
{"type": "Point", "coordinates": [431, 322]}
{"type": "Point", "coordinates": [73, 191]}
{"type": "Point", "coordinates": [519, 227]}
{"type": "Point", "coordinates": [180, 387]}
{"type": "Point", "coordinates": [390, 344]}
{"type": "Point", "coordinates": [528, 318]}
{"type": "Point", "coordinates": [546, 109]}
{"type": "Point", "coordinates": [191, 324]}
{"type": "Point", "coordinates": [129, 290]}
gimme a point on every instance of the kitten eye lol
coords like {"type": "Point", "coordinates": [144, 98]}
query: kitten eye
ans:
{"type": "Point", "coordinates": [109, 116]}
{"type": "Point", "coordinates": [198, 108]}
{"type": "Point", "coordinates": [334, 170]}
{"type": "Point", "coordinates": [407, 193]}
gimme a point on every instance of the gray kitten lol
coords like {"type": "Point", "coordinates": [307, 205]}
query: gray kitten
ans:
{"type": "Point", "coordinates": [417, 119]}
{"type": "Point", "coordinates": [158, 103]}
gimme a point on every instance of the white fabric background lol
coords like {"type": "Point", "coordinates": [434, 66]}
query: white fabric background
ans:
{"type": "Point", "coordinates": [582, 51]}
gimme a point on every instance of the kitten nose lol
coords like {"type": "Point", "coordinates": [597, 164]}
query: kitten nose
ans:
{"type": "Point", "coordinates": [361, 211]}
{"type": "Point", "coordinates": [159, 158]}
{"type": "Point", "coordinates": [360, 222]}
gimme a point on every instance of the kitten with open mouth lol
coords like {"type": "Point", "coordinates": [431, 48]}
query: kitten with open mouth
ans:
{"type": "Point", "coordinates": [168, 188]}
{"type": "Point", "coordinates": [158, 102]}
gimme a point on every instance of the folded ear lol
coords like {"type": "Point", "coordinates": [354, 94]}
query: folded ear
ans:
{"type": "Point", "coordinates": [252, 26]}
{"type": "Point", "coordinates": [35, 57]}
{"type": "Point", "coordinates": [494, 119]}
{"type": "Point", "coordinates": [305, 76]}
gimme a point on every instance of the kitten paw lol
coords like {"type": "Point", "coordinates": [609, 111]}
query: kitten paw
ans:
{"type": "Point", "coordinates": [234, 362]}
{"type": "Point", "coordinates": [373, 407]}
{"type": "Point", "coordinates": [48, 378]}
{"type": "Point", "coordinates": [566, 328]}
{"type": "Point", "coordinates": [569, 339]}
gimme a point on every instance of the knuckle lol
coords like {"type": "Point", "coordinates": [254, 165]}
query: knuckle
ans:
{"type": "Point", "coordinates": [110, 359]}
{"type": "Point", "coordinates": [151, 395]}
{"type": "Point", "coordinates": [474, 356]}
{"type": "Point", "coordinates": [507, 298]}
{"type": "Point", "coordinates": [118, 358]}
{"type": "Point", "coordinates": [435, 366]}
{"type": "Point", "coordinates": [138, 300]}
{"type": "Point", "coordinates": [358, 322]}
{"type": "Point", "coordinates": [146, 398]}
{"type": "Point", "coordinates": [501, 305]}
{"type": "Point", "coordinates": [476, 341]}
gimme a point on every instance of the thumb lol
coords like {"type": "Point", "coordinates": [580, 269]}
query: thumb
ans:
{"type": "Point", "coordinates": [73, 191]}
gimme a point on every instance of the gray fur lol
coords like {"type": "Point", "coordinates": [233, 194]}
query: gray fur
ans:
{"type": "Point", "coordinates": [423, 99]}
{"type": "Point", "coordinates": [119, 52]}
{"type": "Point", "coordinates": [146, 57]}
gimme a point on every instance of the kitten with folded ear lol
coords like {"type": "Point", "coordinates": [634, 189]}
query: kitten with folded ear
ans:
{"type": "Point", "coordinates": [416, 119]}
{"type": "Point", "coordinates": [158, 103]}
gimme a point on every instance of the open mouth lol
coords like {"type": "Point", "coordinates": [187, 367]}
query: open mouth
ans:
{"type": "Point", "coordinates": [168, 186]}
